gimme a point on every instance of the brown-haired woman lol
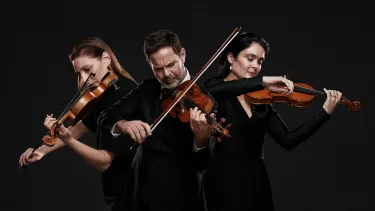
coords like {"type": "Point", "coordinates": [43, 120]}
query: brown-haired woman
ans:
{"type": "Point", "coordinates": [93, 55]}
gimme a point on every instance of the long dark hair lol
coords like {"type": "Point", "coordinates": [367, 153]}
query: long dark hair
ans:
{"type": "Point", "coordinates": [94, 47]}
{"type": "Point", "coordinates": [239, 43]}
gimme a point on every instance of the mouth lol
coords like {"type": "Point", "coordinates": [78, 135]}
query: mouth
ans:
{"type": "Point", "coordinates": [251, 74]}
{"type": "Point", "coordinates": [169, 81]}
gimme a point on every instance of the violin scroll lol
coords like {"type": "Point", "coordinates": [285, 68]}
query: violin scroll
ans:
{"type": "Point", "coordinates": [353, 106]}
{"type": "Point", "coordinates": [50, 139]}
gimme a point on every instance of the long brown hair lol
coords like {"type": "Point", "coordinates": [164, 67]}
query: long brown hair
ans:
{"type": "Point", "coordinates": [94, 46]}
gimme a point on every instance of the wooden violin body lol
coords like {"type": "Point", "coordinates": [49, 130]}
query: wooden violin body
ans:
{"type": "Point", "coordinates": [194, 97]}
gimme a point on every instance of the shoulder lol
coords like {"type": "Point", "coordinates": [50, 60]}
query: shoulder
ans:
{"type": "Point", "coordinates": [150, 83]}
{"type": "Point", "coordinates": [126, 85]}
{"type": "Point", "coordinates": [213, 81]}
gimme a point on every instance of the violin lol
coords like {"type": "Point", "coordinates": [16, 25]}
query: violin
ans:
{"type": "Point", "coordinates": [302, 96]}
{"type": "Point", "coordinates": [194, 98]}
{"type": "Point", "coordinates": [82, 104]}
{"type": "Point", "coordinates": [81, 107]}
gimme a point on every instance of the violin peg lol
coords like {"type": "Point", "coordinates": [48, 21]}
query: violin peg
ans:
{"type": "Point", "coordinates": [219, 139]}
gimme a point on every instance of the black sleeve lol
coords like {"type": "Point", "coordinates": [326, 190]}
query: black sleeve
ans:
{"type": "Point", "coordinates": [90, 122]}
{"type": "Point", "coordinates": [201, 159]}
{"type": "Point", "coordinates": [126, 108]}
{"type": "Point", "coordinates": [222, 90]}
{"type": "Point", "coordinates": [287, 138]}
{"type": "Point", "coordinates": [120, 145]}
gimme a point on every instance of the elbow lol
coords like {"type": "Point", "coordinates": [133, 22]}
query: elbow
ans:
{"type": "Point", "coordinates": [103, 164]}
{"type": "Point", "coordinates": [290, 146]}
{"type": "Point", "coordinates": [287, 144]}
{"type": "Point", "coordinates": [103, 167]}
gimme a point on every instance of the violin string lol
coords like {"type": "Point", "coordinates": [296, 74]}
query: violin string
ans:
{"type": "Point", "coordinates": [209, 118]}
{"type": "Point", "coordinates": [75, 97]}
{"type": "Point", "coordinates": [193, 104]}
{"type": "Point", "coordinates": [72, 102]}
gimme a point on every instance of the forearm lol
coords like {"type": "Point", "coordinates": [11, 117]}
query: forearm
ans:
{"type": "Point", "coordinates": [77, 131]}
{"type": "Point", "coordinates": [100, 159]}
{"type": "Point", "coordinates": [45, 149]}
{"type": "Point", "coordinates": [222, 90]}
{"type": "Point", "coordinates": [289, 139]}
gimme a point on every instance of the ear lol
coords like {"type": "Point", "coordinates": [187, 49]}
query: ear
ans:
{"type": "Point", "coordinates": [230, 57]}
{"type": "Point", "coordinates": [106, 58]}
{"type": "Point", "coordinates": [183, 55]}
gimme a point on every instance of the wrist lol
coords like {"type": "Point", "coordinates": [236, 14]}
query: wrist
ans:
{"type": "Point", "coordinates": [117, 128]}
{"type": "Point", "coordinates": [264, 78]}
{"type": "Point", "coordinates": [68, 140]}
{"type": "Point", "coordinates": [43, 150]}
{"type": "Point", "coordinates": [200, 142]}
{"type": "Point", "coordinates": [326, 109]}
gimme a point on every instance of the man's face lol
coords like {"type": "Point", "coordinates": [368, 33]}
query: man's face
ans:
{"type": "Point", "coordinates": [168, 67]}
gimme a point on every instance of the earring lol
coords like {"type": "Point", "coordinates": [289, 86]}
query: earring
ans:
{"type": "Point", "coordinates": [230, 67]}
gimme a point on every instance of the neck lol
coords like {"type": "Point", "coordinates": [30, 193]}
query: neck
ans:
{"type": "Point", "coordinates": [185, 73]}
{"type": "Point", "coordinates": [230, 77]}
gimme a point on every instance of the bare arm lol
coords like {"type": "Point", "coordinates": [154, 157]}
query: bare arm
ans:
{"type": "Point", "coordinates": [100, 159]}
{"type": "Point", "coordinates": [77, 131]}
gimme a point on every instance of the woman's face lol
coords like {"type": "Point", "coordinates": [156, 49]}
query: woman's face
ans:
{"type": "Point", "coordinates": [248, 62]}
{"type": "Point", "coordinates": [84, 65]}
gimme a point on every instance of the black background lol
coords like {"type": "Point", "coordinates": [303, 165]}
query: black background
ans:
{"type": "Point", "coordinates": [324, 44]}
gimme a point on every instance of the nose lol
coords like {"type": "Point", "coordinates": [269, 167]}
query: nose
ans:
{"type": "Point", "coordinates": [166, 72]}
{"type": "Point", "coordinates": [85, 77]}
{"type": "Point", "coordinates": [255, 65]}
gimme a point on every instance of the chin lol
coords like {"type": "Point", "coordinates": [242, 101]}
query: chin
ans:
{"type": "Point", "coordinates": [247, 76]}
{"type": "Point", "coordinates": [170, 85]}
